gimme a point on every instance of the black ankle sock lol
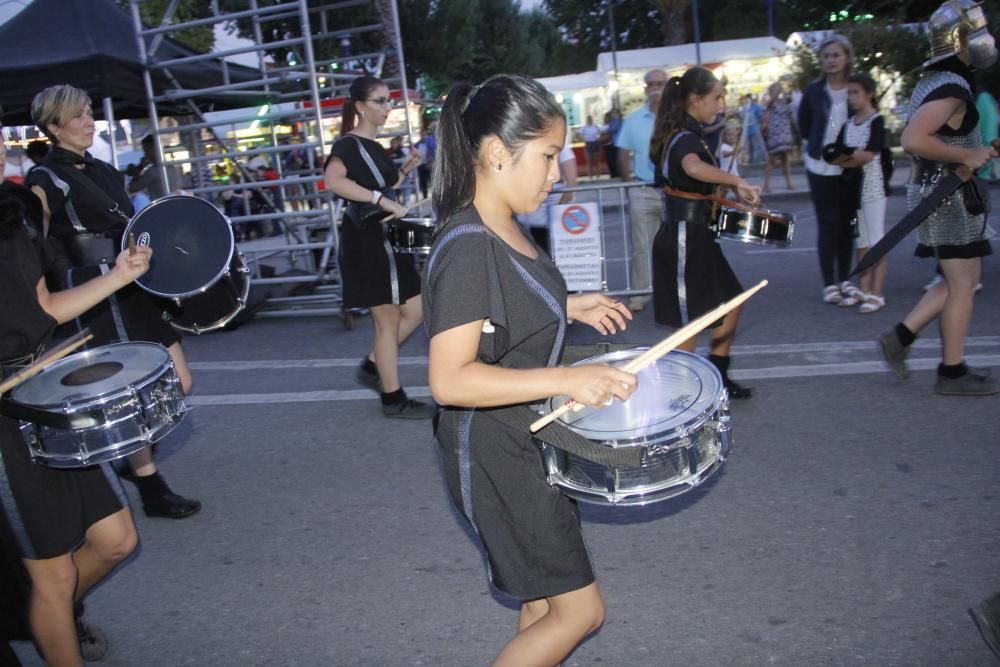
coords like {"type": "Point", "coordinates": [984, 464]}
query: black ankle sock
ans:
{"type": "Point", "coordinates": [953, 371]}
{"type": "Point", "coordinates": [906, 337]}
{"type": "Point", "coordinates": [152, 486]}
{"type": "Point", "coordinates": [721, 363]}
{"type": "Point", "coordinates": [394, 397]}
{"type": "Point", "coordinates": [368, 366]}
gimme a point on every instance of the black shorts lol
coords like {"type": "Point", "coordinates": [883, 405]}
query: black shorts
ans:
{"type": "Point", "coordinates": [48, 511]}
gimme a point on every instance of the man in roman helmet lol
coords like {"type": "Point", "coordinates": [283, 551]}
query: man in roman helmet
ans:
{"type": "Point", "coordinates": [943, 135]}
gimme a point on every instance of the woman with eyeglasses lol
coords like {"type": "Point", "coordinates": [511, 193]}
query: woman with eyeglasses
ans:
{"type": "Point", "coordinates": [361, 172]}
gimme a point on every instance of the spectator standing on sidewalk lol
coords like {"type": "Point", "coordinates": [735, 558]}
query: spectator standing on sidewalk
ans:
{"type": "Point", "coordinates": [778, 135]}
{"type": "Point", "coordinates": [590, 134]}
{"type": "Point", "coordinates": [645, 202]}
{"type": "Point", "coordinates": [822, 113]}
{"type": "Point", "coordinates": [612, 126]}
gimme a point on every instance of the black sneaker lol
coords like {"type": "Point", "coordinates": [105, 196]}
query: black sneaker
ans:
{"type": "Point", "coordinates": [894, 353]}
{"type": "Point", "coordinates": [973, 383]}
{"type": "Point", "coordinates": [170, 506]}
{"type": "Point", "coordinates": [368, 379]}
{"type": "Point", "coordinates": [738, 392]}
{"type": "Point", "coordinates": [93, 642]}
{"type": "Point", "coordinates": [409, 409]}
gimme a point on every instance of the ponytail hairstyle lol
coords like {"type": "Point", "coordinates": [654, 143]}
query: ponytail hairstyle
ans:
{"type": "Point", "coordinates": [672, 113]}
{"type": "Point", "coordinates": [359, 91]}
{"type": "Point", "coordinates": [867, 84]}
{"type": "Point", "coordinates": [512, 108]}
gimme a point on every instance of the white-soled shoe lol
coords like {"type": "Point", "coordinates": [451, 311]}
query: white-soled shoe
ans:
{"type": "Point", "coordinates": [831, 294]}
{"type": "Point", "coordinates": [871, 303]}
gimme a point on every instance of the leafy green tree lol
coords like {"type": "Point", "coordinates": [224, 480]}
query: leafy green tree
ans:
{"type": "Point", "coordinates": [200, 38]}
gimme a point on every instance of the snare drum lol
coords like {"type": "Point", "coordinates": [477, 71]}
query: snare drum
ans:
{"type": "Point", "coordinates": [411, 235]}
{"type": "Point", "coordinates": [678, 417]}
{"type": "Point", "coordinates": [194, 263]}
{"type": "Point", "coordinates": [759, 226]}
{"type": "Point", "coordinates": [131, 389]}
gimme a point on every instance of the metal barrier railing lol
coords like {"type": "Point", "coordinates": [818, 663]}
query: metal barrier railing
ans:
{"type": "Point", "coordinates": [618, 251]}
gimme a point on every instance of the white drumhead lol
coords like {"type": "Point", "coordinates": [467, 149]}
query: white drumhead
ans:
{"type": "Point", "coordinates": [679, 391]}
{"type": "Point", "coordinates": [93, 374]}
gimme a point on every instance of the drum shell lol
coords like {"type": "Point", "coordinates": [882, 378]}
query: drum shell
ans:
{"type": "Point", "coordinates": [411, 235]}
{"type": "Point", "coordinates": [215, 306]}
{"type": "Point", "coordinates": [758, 227]}
{"type": "Point", "coordinates": [130, 418]}
{"type": "Point", "coordinates": [675, 459]}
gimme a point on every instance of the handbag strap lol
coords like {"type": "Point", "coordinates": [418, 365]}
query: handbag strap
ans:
{"type": "Point", "coordinates": [366, 156]}
{"type": "Point", "coordinates": [80, 181]}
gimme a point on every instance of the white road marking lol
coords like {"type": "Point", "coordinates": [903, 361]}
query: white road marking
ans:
{"type": "Point", "coordinates": [773, 250]}
{"type": "Point", "coordinates": [773, 372]}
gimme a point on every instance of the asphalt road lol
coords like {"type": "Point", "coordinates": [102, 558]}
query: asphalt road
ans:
{"type": "Point", "coordinates": [854, 524]}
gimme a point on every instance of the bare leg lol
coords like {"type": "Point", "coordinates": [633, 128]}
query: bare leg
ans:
{"type": "Point", "coordinates": [50, 610]}
{"type": "Point", "coordinates": [387, 320]}
{"type": "Point", "coordinates": [412, 317]}
{"type": "Point", "coordinates": [879, 272]}
{"type": "Point", "coordinates": [531, 611]}
{"type": "Point", "coordinates": [724, 334]}
{"type": "Point", "coordinates": [787, 163]}
{"type": "Point", "coordinates": [865, 279]}
{"type": "Point", "coordinates": [570, 617]}
{"type": "Point", "coordinates": [108, 542]}
{"type": "Point", "coordinates": [929, 307]}
{"type": "Point", "coordinates": [961, 276]}
{"type": "Point", "coordinates": [767, 173]}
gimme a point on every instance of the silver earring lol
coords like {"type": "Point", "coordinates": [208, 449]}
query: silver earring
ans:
{"type": "Point", "coordinates": [498, 167]}
{"type": "Point", "coordinates": [362, 115]}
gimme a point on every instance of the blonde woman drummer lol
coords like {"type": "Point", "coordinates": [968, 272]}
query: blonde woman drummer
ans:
{"type": "Point", "coordinates": [497, 310]}
{"type": "Point", "coordinates": [81, 194]}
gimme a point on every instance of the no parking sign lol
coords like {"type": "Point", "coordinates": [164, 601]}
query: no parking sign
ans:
{"type": "Point", "coordinates": [575, 231]}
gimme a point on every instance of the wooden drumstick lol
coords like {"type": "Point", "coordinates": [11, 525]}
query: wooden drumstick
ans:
{"type": "Point", "coordinates": [658, 350]}
{"type": "Point", "coordinates": [131, 243]}
{"type": "Point", "coordinates": [53, 355]}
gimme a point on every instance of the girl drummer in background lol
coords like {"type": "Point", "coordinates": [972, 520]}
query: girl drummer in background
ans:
{"type": "Point", "coordinates": [78, 193]}
{"type": "Point", "coordinates": [71, 527]}
{"type": "Point", "coordinates": [373, 275]}
{"type": "Point", "coordinates": [865, 133]}
{"type": "Point", "coordinates": [690, 274]}
{"type": "Point", "coordinates": [497, 309]}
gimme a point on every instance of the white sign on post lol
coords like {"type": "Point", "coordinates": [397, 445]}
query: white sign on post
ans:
{"type": "Point", "coordinates": [575, 233]}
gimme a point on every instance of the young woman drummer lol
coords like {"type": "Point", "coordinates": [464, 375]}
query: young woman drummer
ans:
{"type": "Point", "coordinates": [497, 310]}
{"type": "Point", "coordinates": [359, 170]}
{"type": "Point", "coordinates": [690, 274]}
{"type": "Point", "coordinates": [71, 527]}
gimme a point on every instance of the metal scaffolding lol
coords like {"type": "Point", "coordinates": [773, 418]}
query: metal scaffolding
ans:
{"type": "Point", "coordinates": [296, 262]}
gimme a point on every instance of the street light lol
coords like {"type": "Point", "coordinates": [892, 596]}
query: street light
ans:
{"type": "Point", "coordinates": [614, 52]}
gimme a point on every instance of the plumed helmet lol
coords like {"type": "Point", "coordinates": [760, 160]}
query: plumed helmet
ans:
{"type": "Point", "coordinates": [953, 19]}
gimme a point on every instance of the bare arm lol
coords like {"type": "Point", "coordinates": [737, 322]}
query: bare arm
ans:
{"type": "Point", "coordinates": [625, 164]}
{"type": "Point", "coordinates": [702, 171]}
{"type": "Point", "coordinates": [67, 304]}
{"type": "Point", "coordinates": [337, 182]}
{"type": "Point", "coordinates": [858, 158]}
{"type": "Point", "coordinates": [457, 378]}
{"type": "Point", "coordinates": [46, 213]}
{"type": "Point", "coordinates": [570, 174]}
{"type": "Point", "coordinates": [919, 136]}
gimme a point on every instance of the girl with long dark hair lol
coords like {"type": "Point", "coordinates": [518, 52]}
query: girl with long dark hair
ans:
{"type": "Point", "coordinates": [690, 274]}
{"type": "Point", "coordinates": [497, 310]}
{"type": "Point", "coordinates": [359, 170]}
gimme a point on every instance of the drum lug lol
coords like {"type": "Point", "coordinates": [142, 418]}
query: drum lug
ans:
{"type": "Point", "coordinates": [177, 301]}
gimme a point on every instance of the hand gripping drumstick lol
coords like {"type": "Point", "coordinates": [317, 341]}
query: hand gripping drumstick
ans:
{"type": "Point", "coordinates": [658, 350]}
{"type": "Point", "coordinates": [131, 244]}
{"type": "Point", "coordinates": [53, 355]}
